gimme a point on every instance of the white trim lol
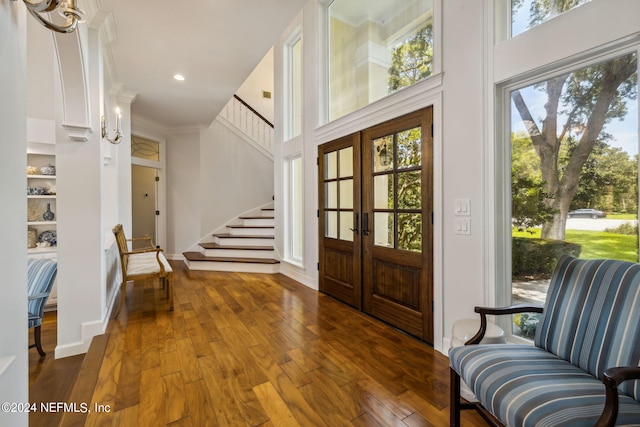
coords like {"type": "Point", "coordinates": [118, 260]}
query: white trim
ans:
{"type": "Point", "coordinates": [88, 331]}
{"type": "Point", "coordinates": [298, 274]}
{"type": "Point", "coordinates": [398, 104]}
{"type": "Point", "coordinates": [5, 362]}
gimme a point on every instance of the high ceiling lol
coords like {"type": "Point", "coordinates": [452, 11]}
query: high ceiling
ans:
{"type": "Point", "coordinates": [214, 44]}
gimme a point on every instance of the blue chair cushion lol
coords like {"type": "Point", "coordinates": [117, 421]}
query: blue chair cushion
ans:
{"type": "Point", "coordinates": [41, 273]}
{"type": "Point", "coordinates": [526, 386]}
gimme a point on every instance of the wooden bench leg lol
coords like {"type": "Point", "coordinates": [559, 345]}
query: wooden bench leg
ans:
{"type": "Point", "coordinates": [123, 293]}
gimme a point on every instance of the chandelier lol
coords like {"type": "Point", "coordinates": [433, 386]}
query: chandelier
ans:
{"type": "Point", "coordinates": [66, 8]}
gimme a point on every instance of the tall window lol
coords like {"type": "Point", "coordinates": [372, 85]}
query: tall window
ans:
{"type": "Point", "coordinates": [293, 86]}
{"type": "Point", "coordinates": [294, 205]}
{"type": "Point", "coordinates": [574, 173]}
{"type": "Point", "coordinates": [526, 14]}
{"type": "Point", "coordinates": [375, 48]}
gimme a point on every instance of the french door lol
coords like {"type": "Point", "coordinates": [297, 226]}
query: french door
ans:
{"type": "Point", "coordinates": [376, 231]}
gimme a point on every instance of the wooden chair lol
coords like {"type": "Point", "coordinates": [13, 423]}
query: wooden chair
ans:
{"type": "Point", "coordinates": [41, 273]}
{"type": "Point", "coordinates": [141, 264]}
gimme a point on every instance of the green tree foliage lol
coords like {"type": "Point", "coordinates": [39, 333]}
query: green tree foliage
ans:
{"type": "Point", "coordinates": [412, 60]}
{"type": "Point", "coordinates": [578, 106]}
{"type": "Point", "coordinates": [527, 192]}
{"type": "Point", "coordinates": [542, 10]}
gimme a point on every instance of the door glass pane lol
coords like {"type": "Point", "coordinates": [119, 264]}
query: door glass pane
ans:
{"type": "Point", "coordinates": [331, 165]}
{"type": "Point", "coordinates": [409, 148]}
{"type": "Point", "coordinates": [409, 190]}
{"type": "Point", "coordinates": [331, 225]}
{"type": "Point", "coordinates": [410, 232]}
{"type": "Point", "coordinates": [331, 195]}
{"type": "Point", "coordinates": [383, 154]}
{"type": "Point", "coordinates": [143, 148]}
{"type": "Point", "coordinates": [346, 194]}
{"type": "Point", "coordinates": [383, 229]}
{"type": "Point", "coordinates": [383, 191]}
{"type": "Point", "coordinates": [346, 162]}
{"type": "Point", "coordinates": [346, 224]}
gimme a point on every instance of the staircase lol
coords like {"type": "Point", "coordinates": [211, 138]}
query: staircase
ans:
{"type": "Point", "coordinates": [247, 246]}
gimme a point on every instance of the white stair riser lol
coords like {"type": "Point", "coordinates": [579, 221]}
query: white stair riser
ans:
{"type": "Point", "coordinates": [236, 253]}
{"type": "Point", "coordinates": [243, 267]}
{"type": "Point", "coordinates": [251, 231]}
{"type": "Point", "coordinates": [240, 241]}
{"type": "Point", "coordinates": [266, 213]}
{"type": "Point", "coordinates": [258, 222]}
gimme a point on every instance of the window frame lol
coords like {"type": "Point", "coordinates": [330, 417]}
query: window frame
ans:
{"type": "Point", "coordinates": [503, 201]}
{"type": "Point", "coordinates": [289, 103]}
{"type": "Point", "coordinates": [290, 232]}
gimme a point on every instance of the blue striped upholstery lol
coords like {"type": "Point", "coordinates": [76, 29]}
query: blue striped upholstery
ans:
{"type": "Point", "coordinates": [591, 322]}
{"type": "Point", "coordinates": [41, 273]}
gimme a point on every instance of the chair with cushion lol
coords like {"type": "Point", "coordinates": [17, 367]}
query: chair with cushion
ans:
{"type": "Point", "coordinates": [41, 273]}
{"type": "Point", "coordinates": [142, 264]}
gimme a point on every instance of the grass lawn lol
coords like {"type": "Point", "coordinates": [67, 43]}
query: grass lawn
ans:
{"type": "Point", "coordinates": [597, 244]}
{"type": "Point", "coordinates": [622, 216]}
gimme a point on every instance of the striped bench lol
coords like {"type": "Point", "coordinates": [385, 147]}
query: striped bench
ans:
{"type": "Point", "coordinates": [583, 369]}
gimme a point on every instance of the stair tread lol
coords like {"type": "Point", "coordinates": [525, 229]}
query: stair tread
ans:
{"type": "Point", "coordinates": [197, 256]}
{"type": "Point", "coordinates": [249, 226]}
{"type": "Point", "coordinates": [241, 236]}
{"type": "Point", "coordinates": [256, 217]}
{"type": "Point", "coordinates": [212, 245]}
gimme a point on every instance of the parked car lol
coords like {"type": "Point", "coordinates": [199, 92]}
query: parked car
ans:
{"type": "Point", "coordinates": [586, 213]}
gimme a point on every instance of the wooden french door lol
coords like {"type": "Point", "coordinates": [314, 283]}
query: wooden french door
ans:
{"type": "Point", "coordinates": [376, 248]}
{"type": "Point", "coordinates": [340, 248]}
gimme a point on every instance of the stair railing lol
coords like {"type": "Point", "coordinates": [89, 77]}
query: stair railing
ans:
{"type": "Point", "coordinates": [249, 121]}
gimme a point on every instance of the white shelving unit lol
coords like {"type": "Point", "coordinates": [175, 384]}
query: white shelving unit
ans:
{"type": "Point", "coordinates": [38, 156]}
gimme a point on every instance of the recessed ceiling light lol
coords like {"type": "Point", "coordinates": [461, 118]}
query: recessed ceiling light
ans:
{"type": "Point", "coordinates": [179, 77]}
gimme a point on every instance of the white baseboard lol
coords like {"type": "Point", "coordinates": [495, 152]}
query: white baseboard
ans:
{"type": "Point", "coordinates": [298, 275]}
{"type": "Point", "coordinates": [88, 331]}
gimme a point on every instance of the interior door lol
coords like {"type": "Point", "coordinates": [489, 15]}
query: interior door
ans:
{"type": "Point", "coordinates": [397, 226]}
{"type": "Point", "coordinates": [144, 187]}
{"type": "Point", "coordinates": [340, 244]}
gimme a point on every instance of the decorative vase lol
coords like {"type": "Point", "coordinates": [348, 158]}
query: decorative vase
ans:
{"type": "Point", "coordinates": [48, 215]}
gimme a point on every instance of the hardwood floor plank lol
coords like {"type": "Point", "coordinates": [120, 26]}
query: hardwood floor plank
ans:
{"type": "Point", "coordinates": [175, 403]}
{"type": "Point", "coordinates": [277, 411]}
{"type": "Point", "coordinates": [152, 398]}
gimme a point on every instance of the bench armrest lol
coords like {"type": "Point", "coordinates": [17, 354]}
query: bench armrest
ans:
{"type": "Point", "coordinates": [142, 251]}
{"type": "Point", "coordinates": [612, 378]}
{"type": "Point", "coordinates": [512, 309]}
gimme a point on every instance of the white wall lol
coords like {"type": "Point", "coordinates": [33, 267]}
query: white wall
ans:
{"type": "Point", "coordinates": [13, 227]}
{"type": "Point", "coordinates": [183, 192]}
{"type": "Point", "coordinates": [234, 177]}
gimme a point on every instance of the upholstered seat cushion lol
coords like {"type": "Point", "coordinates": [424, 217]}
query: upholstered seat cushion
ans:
{"type": "Point", "coordinates": [528, 386]}
{"type": "Point", "coordinates": [146, 263]}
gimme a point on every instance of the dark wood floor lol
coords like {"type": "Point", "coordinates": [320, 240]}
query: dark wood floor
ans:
{"type": "Point", "coordinates": [246, 350]}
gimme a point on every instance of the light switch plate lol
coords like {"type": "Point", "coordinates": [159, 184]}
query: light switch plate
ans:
{"type": "Point", "coordinates": [463, 225]}
{"type": "Point", "coordinates": [462, 207]}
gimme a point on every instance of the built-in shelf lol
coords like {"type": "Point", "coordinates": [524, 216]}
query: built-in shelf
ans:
{"type": "Point", "coordinates": [43, 196]}
{"type": "Point", "coordinates": [42, 251]}
{"type": "Point", "coordinates": [42, 176]}
{"type": "Point", "coordinates": [42, 222]}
